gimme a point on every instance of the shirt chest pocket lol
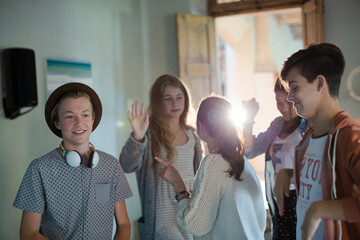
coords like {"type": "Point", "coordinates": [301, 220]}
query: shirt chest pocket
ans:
{"type": "Point", "coordinates": [102, 192]}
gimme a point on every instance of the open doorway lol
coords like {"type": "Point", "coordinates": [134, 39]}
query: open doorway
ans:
{"type": "Point", "coordinates": [252, 48]}
{"type": "Point", "coordinates": [196, 36]}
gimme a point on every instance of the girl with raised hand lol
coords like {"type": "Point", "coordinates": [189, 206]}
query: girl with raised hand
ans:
{"type": "Point", "coordinates": [165, 132]}
{"type": "Point", "coordinates": [226, 201]}
{"type": "Point", "coordinates": [278, 143]}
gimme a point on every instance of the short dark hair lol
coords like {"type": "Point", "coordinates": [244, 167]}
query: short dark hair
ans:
{"type": "Point", "coordinates": [323, 58]}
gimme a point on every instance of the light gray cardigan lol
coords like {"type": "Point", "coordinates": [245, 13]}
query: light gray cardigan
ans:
{"type": "Point", "coordinates": [138, 157]}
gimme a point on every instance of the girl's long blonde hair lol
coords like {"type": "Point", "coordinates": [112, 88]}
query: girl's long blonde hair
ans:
{"type": "Point", "coordinates": [159, 126]}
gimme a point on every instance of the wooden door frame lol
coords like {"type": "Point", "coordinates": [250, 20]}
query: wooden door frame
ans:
{"type": "Point", "coordinates": [216, 10]}
{"type": "Point", "coordinates": [252, 6]}
{"type": "Point", "coordinates": [194, 69]}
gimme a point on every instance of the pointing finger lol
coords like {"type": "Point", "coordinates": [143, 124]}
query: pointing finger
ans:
{"type": "Point", "coordinates": [162, 161]}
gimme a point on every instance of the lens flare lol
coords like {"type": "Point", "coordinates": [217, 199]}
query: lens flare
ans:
{"type": "Point", "coordinates": [120, 124]}
{"type": "Point", "coordinates": [238, 115]}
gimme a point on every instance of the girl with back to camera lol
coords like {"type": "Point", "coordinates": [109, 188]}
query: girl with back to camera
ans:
{"type": "Point", "coordinates": [171, 137]}
{"type": "Point", "coordinates": [226, 202]}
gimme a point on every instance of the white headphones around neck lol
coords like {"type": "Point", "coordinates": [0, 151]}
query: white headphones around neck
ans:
{"type": "Point", "coordinates": [74, 158]}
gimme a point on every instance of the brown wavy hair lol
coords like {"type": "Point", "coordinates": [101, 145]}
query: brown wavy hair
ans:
{"type": "Point", "coordinates": [158, 125]}
{"type": "Point", "coordinates": [214, 115]}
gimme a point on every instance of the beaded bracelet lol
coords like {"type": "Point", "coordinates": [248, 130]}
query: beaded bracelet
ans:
{"type": "Point", "coordinates": [181, 193]}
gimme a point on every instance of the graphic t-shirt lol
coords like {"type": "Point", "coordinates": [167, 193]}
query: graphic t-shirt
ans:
{"type": "Point", "coordinates": [310, 189]}
{"type": "Point", "coordinates": [282, 152]}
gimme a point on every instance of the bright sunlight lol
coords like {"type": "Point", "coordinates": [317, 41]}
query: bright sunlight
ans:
{"type": "Point", "coordinates": [238, 115]}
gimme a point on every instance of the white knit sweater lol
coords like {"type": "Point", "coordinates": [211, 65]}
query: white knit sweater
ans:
{"type": "Point", "coordinates": [222, 207]}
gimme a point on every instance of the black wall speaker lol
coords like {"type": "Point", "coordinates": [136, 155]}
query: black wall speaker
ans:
{"type": "Point", "coordinates": [18, 81]}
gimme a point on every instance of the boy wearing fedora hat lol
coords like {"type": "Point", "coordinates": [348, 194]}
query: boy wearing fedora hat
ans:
{"type": "Point", "coordinates": [74, 191]}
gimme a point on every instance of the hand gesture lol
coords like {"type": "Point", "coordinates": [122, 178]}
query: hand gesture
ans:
{"type": "Point", "coordinates": [171, 175]}
{"type": "Point", "coordinates": [281, 188]}
{"type": "Point", "coordinates": [251, 107]}
{"type": "Point", "coordinates": [139, 121]}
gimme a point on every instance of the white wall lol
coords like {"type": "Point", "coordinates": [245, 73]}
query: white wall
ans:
{"type": "Point", "coordinates": [342, 20]}
{"type": "Point", "coordinates": [56, 29]}
{"type": "Point", "coordinates": [128, 42]}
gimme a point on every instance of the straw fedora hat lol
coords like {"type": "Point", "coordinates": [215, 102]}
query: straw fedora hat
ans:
{"type": "Point", "coordinates": [68, 87]}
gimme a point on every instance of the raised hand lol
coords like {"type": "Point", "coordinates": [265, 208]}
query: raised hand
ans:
{"type": "Point", "coordinates": [171, 175]}
{"type": "Point", "coordinates": [139, 121]}
{"type": "Point", "coordinates": [251, 107]}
